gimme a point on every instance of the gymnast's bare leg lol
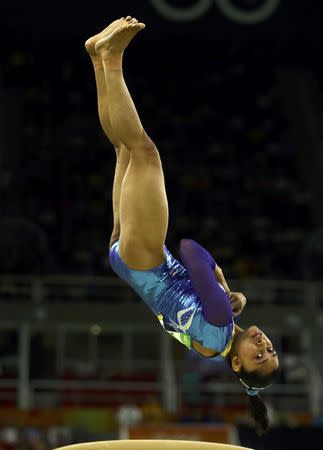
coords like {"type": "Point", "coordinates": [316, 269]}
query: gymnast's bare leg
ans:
{"type": "Point", "coordinates": [122, 154]}
{"type": "Point", "coordinates": [143, 207]}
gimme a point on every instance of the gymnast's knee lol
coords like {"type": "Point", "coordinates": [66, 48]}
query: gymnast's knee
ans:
{"type": "Point", "coordinates": [144, 146]}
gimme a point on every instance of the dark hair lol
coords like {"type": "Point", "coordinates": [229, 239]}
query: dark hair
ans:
{"type": "Point", "coordinates": [258, 411]}
{"type": "Point", "coordinates": [257, 406]}
{"type": "Point", "coordinates": [250, 381]}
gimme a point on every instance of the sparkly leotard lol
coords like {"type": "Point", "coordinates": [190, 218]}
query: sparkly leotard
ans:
{"type": "Point", "coordinates": [170, 294]}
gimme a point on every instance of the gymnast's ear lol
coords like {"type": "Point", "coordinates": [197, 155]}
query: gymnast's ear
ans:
{"type": "Point", "coordinates": [235, 364]}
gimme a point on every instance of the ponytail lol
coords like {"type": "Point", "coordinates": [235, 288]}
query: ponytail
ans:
{"type": "Point", "coordinates": [259, 413]}
{"type": "Point", "coordinates": [253, 383]}
{"type": "Point", "coordinates": [257, 406]}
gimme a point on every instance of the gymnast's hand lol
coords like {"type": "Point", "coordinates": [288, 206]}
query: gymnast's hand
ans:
{"type": "Point", "coordinates": [238, 302]}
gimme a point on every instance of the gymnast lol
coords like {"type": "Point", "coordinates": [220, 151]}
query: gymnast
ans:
{"type": "Point", "coordinates": [190, 296]}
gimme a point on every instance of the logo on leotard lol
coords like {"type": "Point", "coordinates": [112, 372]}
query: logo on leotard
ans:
{"type": "Point", "coordinates": [185, 318]}
{"type": "Point", "coordinates": [181, 337]}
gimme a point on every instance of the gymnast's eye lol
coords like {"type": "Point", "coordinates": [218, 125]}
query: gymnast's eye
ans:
{"type": "Point", "coordinates": [272, 350]}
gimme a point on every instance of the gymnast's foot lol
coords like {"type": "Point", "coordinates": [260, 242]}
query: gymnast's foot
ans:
{"type": "Point", "coordinates": [90, 43]}
{"type": "Point", "coordinates": [113, 44]}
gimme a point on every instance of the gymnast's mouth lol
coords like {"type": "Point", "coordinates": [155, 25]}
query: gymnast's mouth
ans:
{"type": "Point", "coordinates": [255, 333]}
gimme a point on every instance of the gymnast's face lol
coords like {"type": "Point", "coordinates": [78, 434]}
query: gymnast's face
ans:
{"type": "Point", "coordinates": [254, 352]}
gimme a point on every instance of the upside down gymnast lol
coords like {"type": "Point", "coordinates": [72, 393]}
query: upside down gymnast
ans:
{"type": "Point", "coordinates": [189, 296]}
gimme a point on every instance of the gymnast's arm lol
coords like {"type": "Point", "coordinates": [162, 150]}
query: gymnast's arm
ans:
{"type": "Point", "coordinates": [237, 299]}
{"type": "Point", "coordinates": [221, 279]}
{"type": "Point", "coordinates": [200, 266]}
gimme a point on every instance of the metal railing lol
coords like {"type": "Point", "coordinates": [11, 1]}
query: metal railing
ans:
{"type": "Point", "coordinates": [62, 288]}
{"type": "Point", "coordinates": [295, 397]}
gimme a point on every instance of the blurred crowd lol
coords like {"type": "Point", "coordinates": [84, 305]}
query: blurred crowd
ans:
{"type": "Point", "coordinates": [230, 166]}
{"type": "Point", "coordinates": [34, 438]}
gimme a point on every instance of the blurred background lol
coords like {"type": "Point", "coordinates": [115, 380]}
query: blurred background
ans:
{"type": "Point", "coordinates": [231, 92]}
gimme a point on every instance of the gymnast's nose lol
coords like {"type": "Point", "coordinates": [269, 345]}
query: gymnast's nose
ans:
{"type": "Point", "coordinates": [260, 340]}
